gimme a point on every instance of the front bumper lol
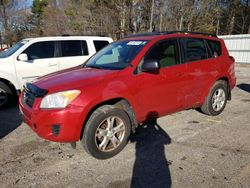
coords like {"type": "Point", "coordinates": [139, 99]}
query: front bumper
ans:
{"type": "Point", "coordinates": [59, 125]}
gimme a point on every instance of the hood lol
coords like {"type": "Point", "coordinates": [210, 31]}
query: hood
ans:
{"type": "Point", "coordinates": [4, 59]}
{"type": "Point", "coordinates": [73, 78]}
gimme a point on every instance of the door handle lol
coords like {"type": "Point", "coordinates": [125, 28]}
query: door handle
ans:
{"type": "Point", "coordinates": [52, 64]}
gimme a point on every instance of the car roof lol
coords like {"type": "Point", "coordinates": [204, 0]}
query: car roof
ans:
{"type": "Point", "coordinates": [69, 38]}
{"type": "Point", "coordinates": [172, 34]}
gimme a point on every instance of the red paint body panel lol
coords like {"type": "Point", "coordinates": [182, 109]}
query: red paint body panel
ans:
{"type": "Point", "coordinates": [173, 89]}
{"type": "Point", "coordinates": [42, 121]}
{"type": "Point", "coordinates": [161, 93]}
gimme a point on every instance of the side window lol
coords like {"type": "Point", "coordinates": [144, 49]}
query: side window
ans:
{"type": "Point", "coordinates": [194, 49]}
{"type": "Point", "coordinates": [214, 47]}
{"type": "Point", "coordinates": [40, 50]}
{"type": "Point", "coordinates": [165, 52]}
{"type": "Point", "coordinates": [73, 48]}
{"type": "Point", "coordinates": [99, 44]}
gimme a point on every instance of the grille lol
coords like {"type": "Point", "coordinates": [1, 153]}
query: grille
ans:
{"type": "Point", "coordinates": [31, 92]}
{"type": "Point", "coordinates": [29, 98]}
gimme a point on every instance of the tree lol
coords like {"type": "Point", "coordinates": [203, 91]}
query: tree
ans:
{"type": "Point", "coordinates": [118, 18]}
{"type": "Point", "coordinates": [38, 10]}
{"type": "Point", "coordinates": [4, 16]}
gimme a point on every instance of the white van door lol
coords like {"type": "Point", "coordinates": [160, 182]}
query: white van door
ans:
{"type": "Point", "coordinates": [40, 61]}
{"type": "Point", "coordinates": [73, 53]}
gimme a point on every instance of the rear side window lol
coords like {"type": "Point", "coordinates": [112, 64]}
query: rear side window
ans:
{"type": "Point", "coordinates": [73, 48]}
{"type": "Point", "coordinates": [40, 50]}
{"type": "Point", "coordinates": [99, 44]}
{"type": "Point", "coordinates": [194, 49]}
{"type": "Point", "coordinates": [215, 47]}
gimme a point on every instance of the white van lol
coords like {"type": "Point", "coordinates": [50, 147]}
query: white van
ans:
{"type": "Point", "coordinates": [34, 57]}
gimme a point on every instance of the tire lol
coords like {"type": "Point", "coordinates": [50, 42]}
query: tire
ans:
{"type": "Point", "coordinates": [6, 95]}
{"type": "Point", "coordinates": [216, 100]}
{"type": "Point", "coordinates": [106, 132]}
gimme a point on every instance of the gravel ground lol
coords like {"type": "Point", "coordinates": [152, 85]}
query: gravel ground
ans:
{"type": "Point", "coordinates": [185, 149]}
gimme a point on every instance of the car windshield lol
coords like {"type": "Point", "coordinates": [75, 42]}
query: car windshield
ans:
{"type": "Point", "coordinates": [117, 55]}
{"type": "Point", "coordinates": [13, 49]}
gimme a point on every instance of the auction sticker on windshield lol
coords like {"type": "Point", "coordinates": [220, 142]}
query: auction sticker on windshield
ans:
{"type": "Point", "coordinates": [136, 43]}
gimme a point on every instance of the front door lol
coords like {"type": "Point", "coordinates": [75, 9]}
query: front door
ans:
{"type": "Point", "coordinates": [41, 61]}
{"type": "Point", "coordinates": [162, 93]}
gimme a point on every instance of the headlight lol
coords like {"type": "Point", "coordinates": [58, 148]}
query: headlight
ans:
{"type": "Point", "coordinates": [59, 100]}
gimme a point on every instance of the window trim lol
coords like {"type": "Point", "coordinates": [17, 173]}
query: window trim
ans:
{"type": "Point", "coordinates": [57, 49]}
{"type": "Point", "coordinates": [209, 51]}
{"type": "Point", "coordinates": [86, 46]}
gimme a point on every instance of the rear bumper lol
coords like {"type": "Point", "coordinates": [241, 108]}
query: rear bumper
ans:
{"type": "Point", "coordinates": [59, 125]}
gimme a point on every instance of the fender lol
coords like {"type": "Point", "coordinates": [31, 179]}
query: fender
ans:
{"type": "Point", "coordinates": [113, 93]}
{"type": "Point", "coordinates": [10, 78]}
{"type": "Point", "coordinates": [219, 77]}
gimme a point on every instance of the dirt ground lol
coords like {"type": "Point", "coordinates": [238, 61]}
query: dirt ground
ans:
{"type": "Point", "coordinates": [186, 149]}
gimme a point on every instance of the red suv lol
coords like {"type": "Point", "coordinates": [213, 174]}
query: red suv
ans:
{"type": "Point", "coordinates": [130, 81]}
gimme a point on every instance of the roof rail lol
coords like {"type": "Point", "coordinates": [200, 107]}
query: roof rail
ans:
{"type": "Point", "coordinates": [143, 34]}
{"type": "Point", "coordinates": [169, 32]}
{"type": "Point", "coordinates": [190, 32]}
{"type": "Point", "coordinates": [76, 35]}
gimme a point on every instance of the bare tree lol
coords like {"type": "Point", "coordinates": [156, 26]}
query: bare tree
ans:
{"type": "Point", "coordinates": [151, 15]}
{"type": "Point", "coordinates": [4, 16]}
{"type": "Point", "coordinates": [117, 18]}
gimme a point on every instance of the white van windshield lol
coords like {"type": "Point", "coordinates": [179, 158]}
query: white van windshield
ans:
{"type": "Point", "coordinates": [13, 49]}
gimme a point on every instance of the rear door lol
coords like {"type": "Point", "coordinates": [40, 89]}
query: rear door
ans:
{"type": "Point", "coordinates": [72, 53]}
{"type": "Point", "coordinates": [40, 62]}
{"type": "Point", "coordinates": [201, 69]}
{"type": "Point", "coordinates": [162, 92]}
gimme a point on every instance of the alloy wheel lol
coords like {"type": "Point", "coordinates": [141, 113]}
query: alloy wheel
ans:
{"type": "Point", "coordinates": [218, 99]}
{"type": "Point", "coordinates": [110, 134]}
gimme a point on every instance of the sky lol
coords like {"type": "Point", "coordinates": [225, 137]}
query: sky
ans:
{"type": "Point", "coordinates": [21, 4]}
{"type": "Point", "coordinates": [17, 4]}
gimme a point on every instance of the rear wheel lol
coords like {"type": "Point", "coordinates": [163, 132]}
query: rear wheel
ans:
{"type": "Point", "coordinates": [106, 132]}
{"type": "Point", "coordinates": [216, 100]}
{"type": "Point", "coordinates": [5, 95]}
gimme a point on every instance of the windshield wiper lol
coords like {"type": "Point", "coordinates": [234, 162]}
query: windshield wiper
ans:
{"type": "Point", "coordinates": [93, 66]}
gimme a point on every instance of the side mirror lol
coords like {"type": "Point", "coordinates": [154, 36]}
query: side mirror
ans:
{"type": "Point", "coordinates": [22, 57]}
{"type": "Point", "coordinates": [151, 66]}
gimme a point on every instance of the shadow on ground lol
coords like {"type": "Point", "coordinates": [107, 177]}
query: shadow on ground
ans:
{"type": "Point", "coordinates": [244, 87]}
{"type": "Point", "coordinates": [151, 167]}
{"type": "Point", "coordinates": [10, 119]}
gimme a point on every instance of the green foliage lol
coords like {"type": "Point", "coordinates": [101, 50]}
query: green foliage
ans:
{"type": "Point", "coordinates": [39, 6]}
{"type": "Point", "coordinates": [38, 9]}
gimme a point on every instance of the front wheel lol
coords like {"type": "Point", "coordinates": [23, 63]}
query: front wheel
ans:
{"type": "Point", "coordinates": [216, 100]}
{"type": "Point", "coordinates": [5, 95]}
{"type": "Point", "coordinates": [106, 132]}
